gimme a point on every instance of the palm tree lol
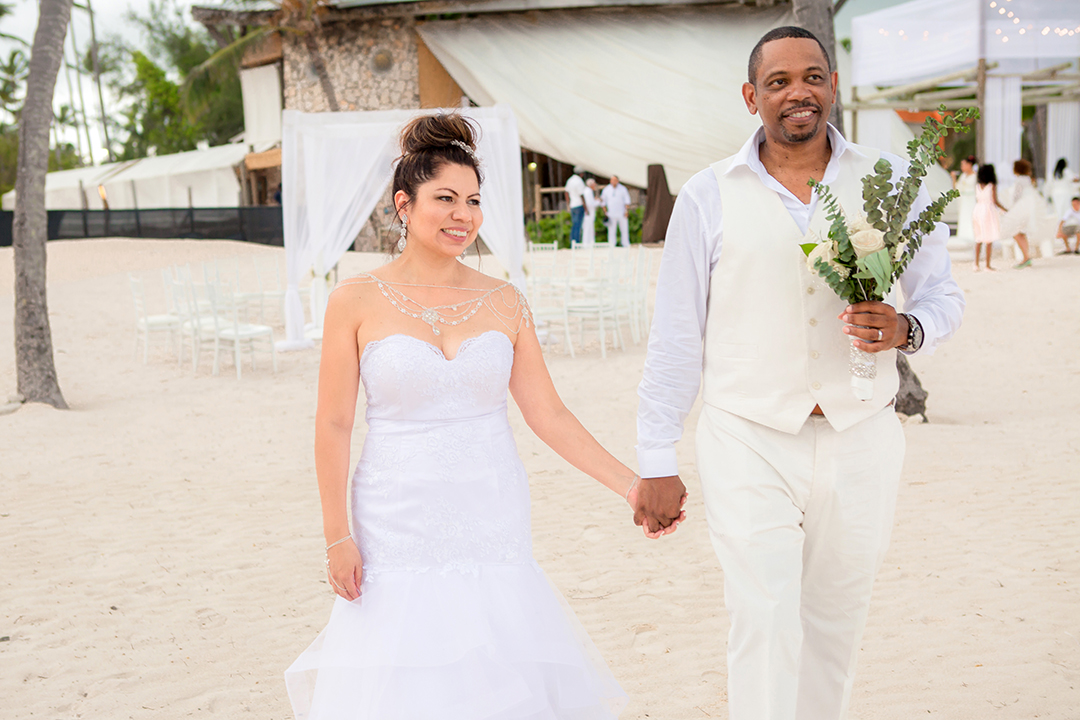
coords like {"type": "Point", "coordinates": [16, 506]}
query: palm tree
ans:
{"type": "Point", "coordinates": [300, 18]}
{"type": "Point", "coordinates": [34, 366]}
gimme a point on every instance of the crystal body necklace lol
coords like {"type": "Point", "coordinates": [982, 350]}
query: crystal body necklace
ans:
{"type": "Point", "coordinates": [454, 313]}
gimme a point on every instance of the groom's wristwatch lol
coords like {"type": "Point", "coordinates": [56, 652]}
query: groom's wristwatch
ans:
{"type": "Point", "coordinates": [914, 336]}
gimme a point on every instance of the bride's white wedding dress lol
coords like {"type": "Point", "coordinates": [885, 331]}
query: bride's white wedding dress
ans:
{"type": "Point", "coordinates": [456, 621]}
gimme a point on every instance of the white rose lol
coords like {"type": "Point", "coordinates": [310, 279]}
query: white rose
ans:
{"type": "Point", "coordinates": [865, 238]}
{"type": "Point", "coordinates": [826, 251]}
{"type": "Point", "coordinates": [823, 251]}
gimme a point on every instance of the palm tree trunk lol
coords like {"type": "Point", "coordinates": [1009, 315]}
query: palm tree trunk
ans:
{"type": "Point", "coordinates": [34, 366]}
{"type": "Point", "coordinates": [817, 17]}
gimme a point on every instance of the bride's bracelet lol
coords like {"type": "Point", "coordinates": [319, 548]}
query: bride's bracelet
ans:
{"type": "Point", "coordinates": [338, 542]}
{"type": "Point", "coordinates": [632, 486]}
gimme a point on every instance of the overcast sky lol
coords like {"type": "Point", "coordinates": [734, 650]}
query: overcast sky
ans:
{"type": "Point", "coordinates": [109, 19]}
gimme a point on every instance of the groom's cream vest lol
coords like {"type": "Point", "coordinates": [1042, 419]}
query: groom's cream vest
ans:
{"type": "Point", "coordinates": [774, 346]}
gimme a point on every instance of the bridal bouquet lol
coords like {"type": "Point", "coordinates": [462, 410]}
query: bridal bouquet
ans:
{"type": "Point", "coordinates": [866, 252]}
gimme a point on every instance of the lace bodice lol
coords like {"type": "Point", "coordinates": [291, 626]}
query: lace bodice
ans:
{"type": "Point", "coordinates": [439, 484]}
{"type": "Point", "coordinates": [406, 378]}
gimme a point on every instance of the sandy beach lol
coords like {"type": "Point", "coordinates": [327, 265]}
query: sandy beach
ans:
{"type": "Point", "coordinates": [161, 550]}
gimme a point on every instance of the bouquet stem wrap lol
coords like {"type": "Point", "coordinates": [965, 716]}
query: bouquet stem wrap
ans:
{"type": "Point", "coordinates": [863, 366]}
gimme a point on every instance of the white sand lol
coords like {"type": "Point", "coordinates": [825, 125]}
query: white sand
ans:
{"type": "Point", "coordinates": [161, 546]}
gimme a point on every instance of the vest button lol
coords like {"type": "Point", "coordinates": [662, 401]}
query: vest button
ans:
{"type": "Point", "coordinates": [813, 322]}
{"type": "Point", "coordinates": [816, 386]}
{"type": "Point", "coordinates": [810, 290]}
{"type": "Point", "coordinates": [815, 354]}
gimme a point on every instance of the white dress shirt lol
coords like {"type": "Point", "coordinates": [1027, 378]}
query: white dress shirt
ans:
{"type": "Point", "coordinates": [575, 188]}
{"type": "Point", "coordinates": [673, 365]}
{"type": "Point", "coordinates": [615, 199]}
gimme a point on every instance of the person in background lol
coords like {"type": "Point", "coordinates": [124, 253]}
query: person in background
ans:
{"type": "Point", "coordinates": [616, 201]}
{"type": "Point", "coordinates": [575, 191]}
{"type": "Point", "coordinates": [1062, 187]}
{"type": "Point", "coordinates": [1070, 227]}
{"type": "Point", "coordinates": [592, 201]}
{"type": "Point", "coordinates": [986, 216]}
{"type": "Point", "coordinates": [965, 182]}
{"type": "Point", "coordinates": [1021, 219]}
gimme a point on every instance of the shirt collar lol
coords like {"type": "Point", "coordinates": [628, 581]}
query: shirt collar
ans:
{"type": "Point", "coordinates": [748, 154]}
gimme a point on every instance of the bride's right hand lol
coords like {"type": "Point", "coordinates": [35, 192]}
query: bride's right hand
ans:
{"type": "Point", "coordinates": [345, 569]}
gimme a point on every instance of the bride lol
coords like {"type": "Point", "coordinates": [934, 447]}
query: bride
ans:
{"type": "Point", "coordinates": [442, 612]}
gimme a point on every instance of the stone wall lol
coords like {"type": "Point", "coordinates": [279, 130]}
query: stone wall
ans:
{"type": "Point", "coordinates": [372, 65]}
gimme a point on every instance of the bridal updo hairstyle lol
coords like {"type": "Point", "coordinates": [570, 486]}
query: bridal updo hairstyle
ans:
{"type": "Point", "coordinates": [427, 143]}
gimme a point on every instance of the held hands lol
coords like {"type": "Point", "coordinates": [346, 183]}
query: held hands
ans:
{"type": "Point", "coordinates": [875, 326]}
{"type": "Point", "coordinates": [657, 504]}
{"type": "Point", "coordinates": [345, 569]}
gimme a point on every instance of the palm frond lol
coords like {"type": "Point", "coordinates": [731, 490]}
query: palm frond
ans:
{"type": "Point", "coordinates": [218, 68]}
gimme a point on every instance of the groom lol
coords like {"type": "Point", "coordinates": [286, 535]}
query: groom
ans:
{"type": "Point", "coordinates": [799, 478]}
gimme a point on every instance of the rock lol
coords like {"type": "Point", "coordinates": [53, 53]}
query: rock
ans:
{"type": "Point", "coordinates": [16, 398]}
{"type": "Point", "coordinates": [9, 408]}
{"type": "Point", "coordinates": [911, 397]}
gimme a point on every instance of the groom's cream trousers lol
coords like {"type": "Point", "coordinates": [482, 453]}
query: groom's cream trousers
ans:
{"type": "Point", "coordinates": [800, 524]}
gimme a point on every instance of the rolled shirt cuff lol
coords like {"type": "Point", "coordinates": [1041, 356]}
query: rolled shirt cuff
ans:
{"type": "Point", "coordinates": [657, 462]}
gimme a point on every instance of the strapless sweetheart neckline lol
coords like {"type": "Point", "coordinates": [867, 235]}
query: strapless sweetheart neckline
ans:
{"type": "Point", "coordinates": [438, 350]}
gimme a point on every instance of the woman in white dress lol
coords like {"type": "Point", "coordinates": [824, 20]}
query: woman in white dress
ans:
{"type": "Point", "coordinates": [1026, 210]}
{"type": "Point", "coordinates": [965, 183]}
{"type": "Point", "coordinates": [1064, 186]}
{"type": "Point", "coordinates": [442, 613]}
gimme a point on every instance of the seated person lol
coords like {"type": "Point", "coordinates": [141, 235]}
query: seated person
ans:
{"type": "Point", "coordinates": [1070, 227]}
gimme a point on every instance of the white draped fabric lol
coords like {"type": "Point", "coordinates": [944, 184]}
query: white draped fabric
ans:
{"type": "Point", "coordinates": [1003, 125]}
{"type": "Point", "coordinates": [614, 92]}
{"type": "Point", "coordinates": [336, 167]}
{"type": "Point", "coordinates": [1063, 141]}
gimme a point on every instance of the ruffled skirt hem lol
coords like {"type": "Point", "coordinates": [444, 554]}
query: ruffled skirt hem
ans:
{"type": "Point", "coordinates": [496, 643]}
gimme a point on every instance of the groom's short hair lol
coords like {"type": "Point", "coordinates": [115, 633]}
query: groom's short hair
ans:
{"type": "Point", "coordinates": [781, 33]}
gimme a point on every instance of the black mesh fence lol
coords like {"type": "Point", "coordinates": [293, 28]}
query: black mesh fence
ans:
{"type": "Point", "coordinates": [248, 224]}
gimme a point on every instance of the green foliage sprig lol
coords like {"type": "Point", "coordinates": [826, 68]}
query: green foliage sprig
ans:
{"type": "Point", "coordinates": [886, 206]}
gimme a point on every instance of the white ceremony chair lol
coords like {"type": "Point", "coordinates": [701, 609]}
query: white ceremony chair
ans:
{"type": "Point", "coordinates": [196, 321]}
{"type": "Point", "coordinates": [548, 293]}
{"type": "Point", "coordinates": [594, 300]}
{"type": "Point", "coordinates": [145, 324]}
{"type": "Point", "coordinates": [231, 332]}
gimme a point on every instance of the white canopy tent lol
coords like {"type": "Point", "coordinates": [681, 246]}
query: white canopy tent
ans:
{"type": "Point", "coordinates": [614, 92]}
{"type": "Point", "coordinates": [66, 189]}
{"type": "Point", "coordinates": [197, 178]}
{"type": "Point", "coordinates": [335, 168]}
{"type": "Point", "coordinates": [926, 38]}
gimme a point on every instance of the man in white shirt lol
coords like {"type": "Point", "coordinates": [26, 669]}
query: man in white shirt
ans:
{"type": "Point", "coordinates": [588, 230]}
{"type": "Point", "coordinates": [575, 192]}
{"type": "Point", "coordinates": [1070, 226]}
{"type": "Point", "coordinates": [799, 478]}
{"type": "Point", "coordinates": [616, 201]}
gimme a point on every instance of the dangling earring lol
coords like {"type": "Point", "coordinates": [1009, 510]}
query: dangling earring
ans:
{"type": "Point", "coordinates": [401, 241]}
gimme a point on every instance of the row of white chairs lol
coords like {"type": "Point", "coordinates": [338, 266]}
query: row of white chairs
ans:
{"type": "Point", "coordinates": [598, 289]}
{"type": "Point", "coordinates": [207, 310]}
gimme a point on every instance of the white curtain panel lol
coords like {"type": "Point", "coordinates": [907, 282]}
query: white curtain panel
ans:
{"type": "Point", "coordinates": [502, 199]}
{"type": "Point", "coordinates": [1063, 135]}
{"type": "Point", "coordinates": [1003, 125]}
{"type": "Point", "coordinates": [336, 166]}
{"type": "Point", "coordinates": [614, 92]}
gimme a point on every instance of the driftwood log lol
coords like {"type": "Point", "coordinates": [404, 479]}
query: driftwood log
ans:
{"type": "Point", "coordinates": [911, 397]}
